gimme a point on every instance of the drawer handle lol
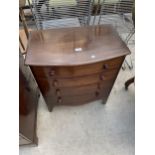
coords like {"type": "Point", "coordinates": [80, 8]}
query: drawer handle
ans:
{"type": "Point", "coordinates": [55, 83]}
{"type": "Point", "coordinates": [52, 72]}
{"type": "Point", "coordinates": [97, 93]}
{"type": "Point", "coordinates": [59, 100]}
{"type": "Point", "coordinates": [102, 77]}
{"type": "Point", "coordinates": [58, 92]}
{"type": "Point", "coordinates": [105, 66]}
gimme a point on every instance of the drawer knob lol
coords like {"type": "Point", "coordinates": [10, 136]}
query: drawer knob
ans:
{"type": "Point", "coordinates": [97, 93]}
{"type": "Point", "coordinates": [102, 77]}
{"type": "Point", "coordinates": [105, 66]}
{"type": "Point", "coordinates": [55, 83]}
{"type": "Point", "coordinates": [52, 72]}
{"type": "Point", "coordinates": [58, 92]}
{"type": "Point", "coordinates": [59, 100]}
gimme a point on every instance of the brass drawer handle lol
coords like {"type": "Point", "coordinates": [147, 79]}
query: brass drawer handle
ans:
{"type": "Point", "coordinates": [52, 72]}
{"type": "Point", "coordinates": [105, 66]}
{"type": "Point", "coordinates": [58, 92]}
{"type": "Point", "coordinates": [59, 100]}
{"type": "Point", "coordinates": [55, 83]}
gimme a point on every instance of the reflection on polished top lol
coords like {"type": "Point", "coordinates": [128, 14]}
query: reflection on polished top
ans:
{"type": "Point", "coordinates": [74, 46]}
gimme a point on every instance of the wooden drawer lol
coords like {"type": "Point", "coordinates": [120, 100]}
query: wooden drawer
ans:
{"type": "Point", "coordinates": [69, 91]}
{"type": "Point", "coordinates": [46, 84]}
{"type": "Point", "coordinates": [74, 100]}
{"type": "Point", "coordinates": [63, 72]}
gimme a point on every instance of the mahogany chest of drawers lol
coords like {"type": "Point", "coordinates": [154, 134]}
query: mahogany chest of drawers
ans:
{"type": "Point", "coordinates": [75, 65]}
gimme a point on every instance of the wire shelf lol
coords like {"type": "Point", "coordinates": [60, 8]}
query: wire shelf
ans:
{"type": "Point", "coordinates": [75, 13]}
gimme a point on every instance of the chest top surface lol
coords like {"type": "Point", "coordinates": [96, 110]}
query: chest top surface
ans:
{"type": "Point", "coordinates": [74, 46]}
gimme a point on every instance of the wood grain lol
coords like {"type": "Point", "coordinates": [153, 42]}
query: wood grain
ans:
{"type": "Point", "coordinates": [74, 66]}
{"type": "Point", "coordinates": [74, 100]}
{"type": "Point", "coordinates": [82, 70]}
{"type": "Point", "coordinates": [57, 47]}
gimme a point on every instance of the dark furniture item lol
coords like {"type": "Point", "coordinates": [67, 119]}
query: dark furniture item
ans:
{"type": "Point", "coordinates": [28, 101]}
{"type": "Point", "coordinates": [128, 82]}
{"type": "Point", "coordinates": [73, 66]}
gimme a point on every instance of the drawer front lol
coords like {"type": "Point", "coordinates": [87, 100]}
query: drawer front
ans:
{"type": "Point", "coordinates": [46, 84]}
{"type": "Point", "coordinates": [69, 91]}
{"type": "Point", "coordinates": [65, 72]}
{"type": "Point", "coordinates": [74, 100]}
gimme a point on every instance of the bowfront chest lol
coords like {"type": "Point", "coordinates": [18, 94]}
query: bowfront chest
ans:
{"type": "Point", "coordinates": [74, 66]}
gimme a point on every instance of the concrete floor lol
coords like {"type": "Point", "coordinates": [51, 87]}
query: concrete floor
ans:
{"type": "Point", "coordinates": [90, 129]}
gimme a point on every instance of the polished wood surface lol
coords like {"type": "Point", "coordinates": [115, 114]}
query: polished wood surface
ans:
{"type": "Point", "coordinates": [69, 77]}
{"type": "Point", "coordinates": [82, 70]}
{"type": "Point", "coordinates": [75, 87]}
{"type": "Point", "coordinates": [23, 106]}
{"type": "Point", "coordinates": [74, 100]}
{"type": "Point", "coordinates": [28, 101]}
{"type": "Point", "coordinates": [69, 91]}
{"type": "Point", "coordinates": [27, 110]}
{"type": "Point", "coordinates": [74, 46]}
{"type": "Point", "coordinates": [79, 81]}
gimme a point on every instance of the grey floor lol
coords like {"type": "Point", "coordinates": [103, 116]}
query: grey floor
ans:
{"type": "Point", "coordinates": [90, 129]}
